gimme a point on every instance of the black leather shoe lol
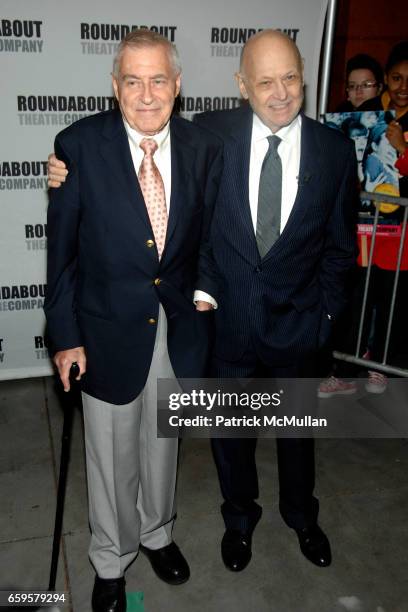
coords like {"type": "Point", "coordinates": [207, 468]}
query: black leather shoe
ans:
{"type": "Point", "coordinates": [314, 545]}
{"type": "Point", "coordinates": [236, 549]}
{"type": "Point", "coordinates": [109, 595]}
{"type": "Point", "coordinates": [168, 563]}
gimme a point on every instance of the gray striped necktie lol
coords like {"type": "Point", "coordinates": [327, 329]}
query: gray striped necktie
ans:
{"type": "Point", "coordinates": [269, 198]}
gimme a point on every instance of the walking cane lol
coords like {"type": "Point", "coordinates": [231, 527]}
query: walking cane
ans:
{"type": "Point", "coordinates": [68, 407]}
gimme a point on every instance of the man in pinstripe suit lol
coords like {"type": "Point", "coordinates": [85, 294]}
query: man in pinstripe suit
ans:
{"type": "Point", "coordinates": [276, 304]}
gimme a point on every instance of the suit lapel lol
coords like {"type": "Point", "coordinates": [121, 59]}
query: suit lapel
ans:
{"type": "Point", "coordinates": [116, 152]}
{"type": "Point", "coordinates": [239, 151]}
{"type": "Point", "coordinates": [182, 160]}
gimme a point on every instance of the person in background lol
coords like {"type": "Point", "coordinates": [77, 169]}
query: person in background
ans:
{"type": "Point", "coordinates": [364, 80]}
{"type": "Point", "coordinates": [395, 98]}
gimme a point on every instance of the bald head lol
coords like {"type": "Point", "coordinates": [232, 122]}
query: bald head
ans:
{"type": "Point", "coordinates": [271, 78]}
{"type": "Point", "coordinates": [266, 40]}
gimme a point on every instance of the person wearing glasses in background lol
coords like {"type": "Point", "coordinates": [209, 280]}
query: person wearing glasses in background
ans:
{"type": "Point", "coordinates": [364, 80]}
{"type": "Point", "coordinates": [395, 97]}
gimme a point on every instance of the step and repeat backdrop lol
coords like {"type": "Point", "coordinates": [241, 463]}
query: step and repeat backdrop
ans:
{"type": "Point", "coordinates": [56, 58]}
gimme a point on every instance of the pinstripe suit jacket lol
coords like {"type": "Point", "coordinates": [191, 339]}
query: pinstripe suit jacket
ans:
{"type": "Point", "coordinates": [283, 305]}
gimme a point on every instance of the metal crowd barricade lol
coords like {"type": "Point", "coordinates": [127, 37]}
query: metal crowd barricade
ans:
{"type": "Point", "coordinates": [383, 366]}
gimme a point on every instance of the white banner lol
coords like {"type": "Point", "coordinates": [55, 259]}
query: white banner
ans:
{"type": "Point", "coordinates": [56, 59]}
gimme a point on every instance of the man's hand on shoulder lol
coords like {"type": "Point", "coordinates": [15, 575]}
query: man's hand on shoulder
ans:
{"type": "Point", "coordinates": [201, 305]}
{"type": "Point", "coordinates": [64, 360]}
{"type": "Point", "coordinates": [57, 171]}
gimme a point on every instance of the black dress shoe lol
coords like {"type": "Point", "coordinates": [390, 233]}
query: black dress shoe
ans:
{"type": "Point", "coordinates": [236, 549]}
{"type": "Point", "coordinates": [109, 595]}
{"type": "Point", "coordinates": [168, 563]}
{"type": "Point", "coordinates": [315, 545]}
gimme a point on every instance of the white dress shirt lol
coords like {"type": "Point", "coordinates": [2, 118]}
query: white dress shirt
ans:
{"type": "Point", "coordinates": [162, 156]}
{"type": "Point", "coordinates": [288, 151]}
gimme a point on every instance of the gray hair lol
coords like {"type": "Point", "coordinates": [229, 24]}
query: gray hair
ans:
{"type": "Point", "coordinates": [137, 39]}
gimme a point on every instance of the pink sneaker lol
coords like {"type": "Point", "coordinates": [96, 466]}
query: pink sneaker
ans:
{"type": "Point", "coordinates": [376, 383]}
{"type": "Point", "coordinates": [335, 386]}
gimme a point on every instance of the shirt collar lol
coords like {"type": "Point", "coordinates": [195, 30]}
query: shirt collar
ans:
{"type": "Point", "coordinates": [287, 133]}
{"type": "Point", "coordinates": [162, 137]}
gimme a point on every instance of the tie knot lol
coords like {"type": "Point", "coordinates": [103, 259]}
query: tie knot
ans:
{"type": "Point", "coordinates": [274, 143]}
{"type": "Point", "coordinates": [148, 146]}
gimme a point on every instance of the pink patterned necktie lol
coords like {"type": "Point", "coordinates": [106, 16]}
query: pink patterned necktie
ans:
{"type": "Point", "coordinates": [151, 184]}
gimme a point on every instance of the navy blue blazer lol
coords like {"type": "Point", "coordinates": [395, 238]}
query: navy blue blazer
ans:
{"type": "Point", "coordinates": [102, 267]}
{"type": "Point", "coordinates": [283, 305]}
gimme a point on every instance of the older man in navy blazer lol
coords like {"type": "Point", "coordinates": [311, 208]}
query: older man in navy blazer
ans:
{"type": "Point", "coordinates": [283, 247]}
{"type": "Point", "coordinates": [122, 268]}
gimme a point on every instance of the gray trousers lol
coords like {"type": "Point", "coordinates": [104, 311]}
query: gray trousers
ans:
{"type": "Point", "coordinates": [131, 473]}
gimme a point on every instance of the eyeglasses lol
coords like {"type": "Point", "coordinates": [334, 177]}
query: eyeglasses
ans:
{"type": "Point", "coordinates": [364, 85]}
